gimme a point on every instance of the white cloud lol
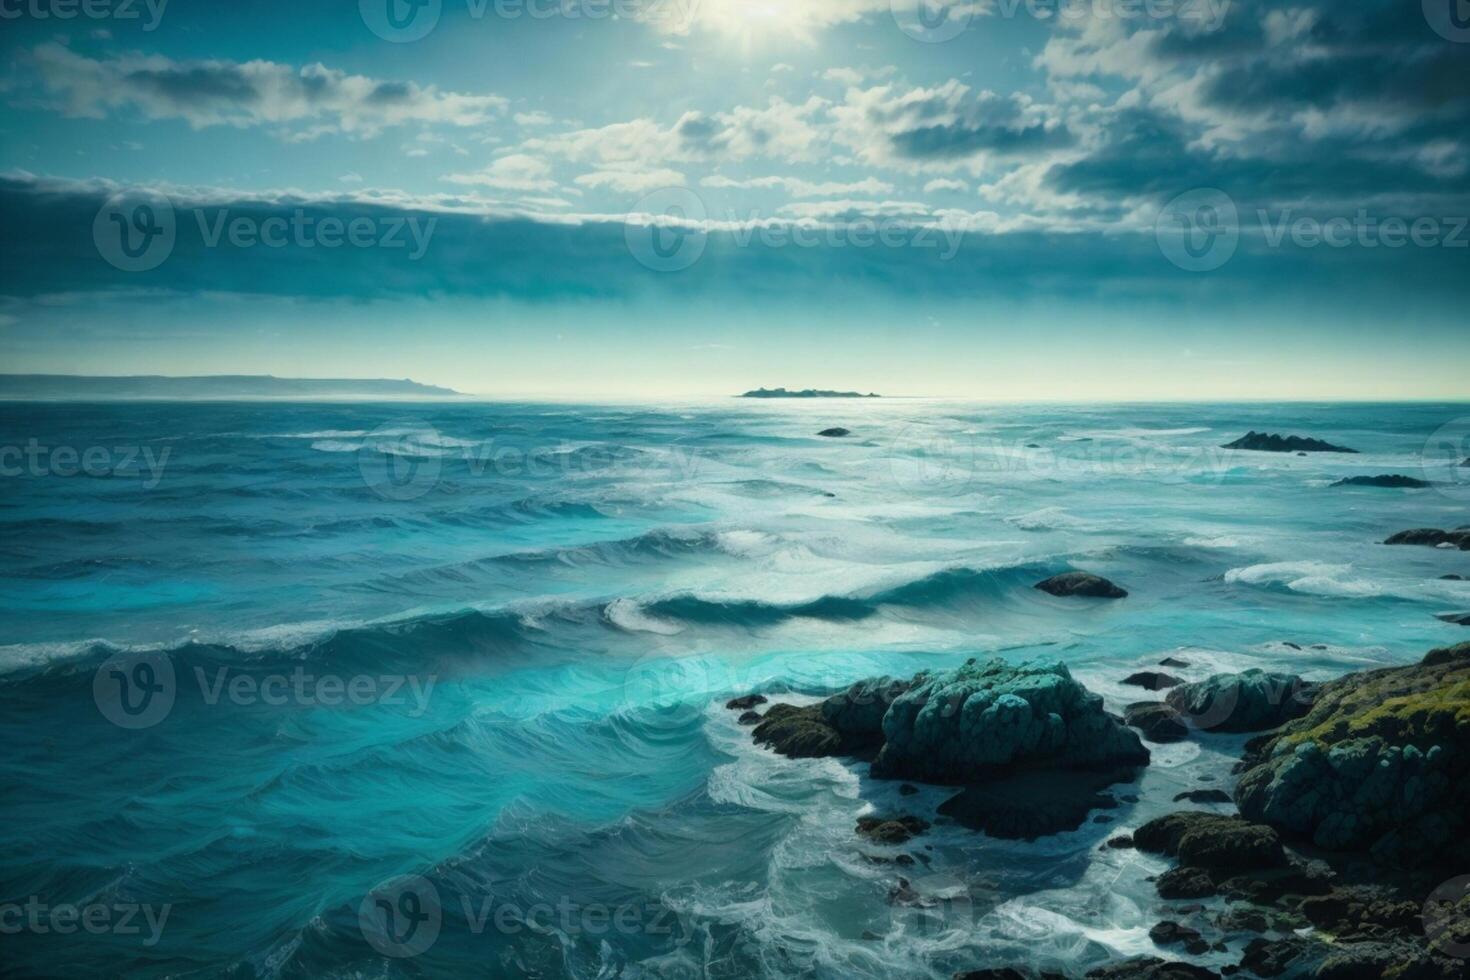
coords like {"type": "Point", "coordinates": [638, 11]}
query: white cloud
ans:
{"type": "Point", "coordinates": [515, 172]}
{"type": "Point", "coordinates": [252, 93]}
{"type": "Point", "coordinates": [631, 181]}
{"type": "Point", "coordinates": [533, 118]}
{"type": "Point", "coordinates": [946, 184]}
{"type": "Point", "coordinates": [797, 187]}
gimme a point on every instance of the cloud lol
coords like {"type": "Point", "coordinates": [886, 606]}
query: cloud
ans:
{"type": "Point", "coordinates": [946, 126]}
{"type": "Point", "coordinates": [631, 181]}
{"type": "Point", "coordinates": [514, 172]}
{"type": "Point", "coordinates": [797, 187]}
{"type": "Point", "coordinates": [946, 184]}
{"type": "Point", "coordinates": [307, 102]}
{"type": "Point", "coordinates": [533, 118]}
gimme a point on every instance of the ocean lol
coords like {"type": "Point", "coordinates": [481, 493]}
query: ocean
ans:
{"type": "Point", "coordinates": [437, 690]}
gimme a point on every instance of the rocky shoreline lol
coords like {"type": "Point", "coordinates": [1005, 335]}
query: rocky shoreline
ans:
{"type": "Point", "coordinates": [1354, 802]}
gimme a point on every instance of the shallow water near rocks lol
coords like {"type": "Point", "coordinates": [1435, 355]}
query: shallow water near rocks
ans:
{"type": "Point", "coordinates": [545, 608]}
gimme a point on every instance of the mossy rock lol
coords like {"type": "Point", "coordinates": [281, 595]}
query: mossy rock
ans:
{"type": "Point", "coordinates": [1380, 763]}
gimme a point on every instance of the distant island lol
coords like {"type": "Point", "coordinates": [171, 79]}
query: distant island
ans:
{"type": "Point", "coordinates": [73, 387]}
{"type": "Point", "coordinates": [805, 393]}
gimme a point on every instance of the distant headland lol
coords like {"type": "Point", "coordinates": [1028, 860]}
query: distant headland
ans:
{"type": "Point", "coordinates": [805, 393]}
{"type": "Point", "coordinates": [77, 387]}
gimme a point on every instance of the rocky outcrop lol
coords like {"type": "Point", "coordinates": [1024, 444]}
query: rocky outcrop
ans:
{"type": "Point", "coordinates": [1381, 763]}
{"type": "Point", "coordinates": [850, 723]}
{"type": "Point", "coordinates": [746, 702]}
{"type": "Point", "coordinates": [1392, 482]}
{"type": "Point", "coordinates": [980, 720]}
{"type": "Point", "coordinates": [1035, 804]}
{"type": "Point", "coordinates": [1211, 841]}
{"type": "Point", "coordinates": [1267, 443]}
{"type": "Point", "coordinates": [1081, 584]}
{"type": "Point", "coordinates": [1433, 538]}
{"type": "Point", "coordinates": [1251, 701]}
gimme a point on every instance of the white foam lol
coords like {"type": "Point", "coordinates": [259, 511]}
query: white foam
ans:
{"type": "Point", "coordinates": [1313, 577]}
{"type": "Point", "coordinates": [630, 617]}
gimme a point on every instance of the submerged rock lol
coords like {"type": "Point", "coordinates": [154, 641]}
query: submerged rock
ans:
{"type": "Point", "coordinates": [1381, 763]}
{"type": "Point", "coordinates": [750, 718]}
{"type": "Point", "coordinates": [746, 702]}
{"type": "Point", "coordinates": [970, 724]}
{"type": "Point", "coordinates": [1392, 482]}
{"type": "Point", "coordinates": [891, 830]}
{"type": "Point", "coordinates": [1035, 804]}
{"type": "Point", "coordinates": [1203, 796]}
{"type": "Point", "coordinates": [1081, 584]}
{"type": "Point", "coordinates": [1212, 841]}
{"type": "Point", "coordinates": [1268, 443]}
{"type": "Point", "coordinates": [1152, 680]}
{"type": "Point", "coordinates": [1433, 538]}
{"type": "Point", "coordinates": [1157, 720]}
{"type": "Point", "coordinates": [1151, 968]}
{"type": "Point", "coordinates": [1251, 701]}
{"type": "Point", "coordinates": [836, 432]}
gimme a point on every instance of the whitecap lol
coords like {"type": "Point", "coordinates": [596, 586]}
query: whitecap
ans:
{"type": "Point", "coordinates": [630, 617]}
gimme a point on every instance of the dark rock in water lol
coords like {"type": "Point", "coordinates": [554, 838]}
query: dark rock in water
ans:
{"type": "Point", "coordinates": [800, 733]}
{"type": "Point", "coordinates": [967, 725]}
{"type": "Point", "coordinates": [1433, 538]}
{"type": "Point", "coordinates": [1391, 482]}
{"type": "Point", "coordinates": [1173, 662]}
{"type": "Point", "coordinates": [1157, 720]}
{"type": "Point", "coordinates": [837, 432]}
{"type": "Point", "coordinates": [1151, 968]}
{"type": "Point", "coordinates": [1169, 933]}
{"type": "Point", "coordinates": [1457, 619]}
{"type": "Point", "coordinates": [850, 723]}
{"type": "Point", "coordinates": [1273, 957]}
{"type": "Point", "coordinates": [1034, 804]}
{"type": "Point", "coordinates": [908, 789]}
{"type": "Point", "coordinates": [750, 718]}
{"type": "Point", "coordinates": [903, 893]}
{"type": "Point", "coordinates": [745, 703]}
{"type": "Point", "coordinates": [1081, 584]}
{"type": "Point", "coordinates": [1267, 443]}
{"type": "Point", "coordinates": [1032, 445]}
{"type": "Point", "coordinates": [1452, 578]}
{"type": "Point", "coordinates": [891, 830]}
{"type": "Point", "coordinates": [1120, 843]}
{"type": "Point", "coordinates": [1186, 883]}
{"type": "Point", "coordinates": [1152, 680]}
{"type": "Point", "coordinates": [1294, 646]}
{"type": "Point", "coordinates": [1381, 763]}
{"type": "Point", "coordinates": [1251, 701]}
{"type": "Point", "coordinates": [1204, 796]}
{"type": "Point", "coordinates": [1102, 818]}
{"type": "Point", "coordinates": [1212, 841]}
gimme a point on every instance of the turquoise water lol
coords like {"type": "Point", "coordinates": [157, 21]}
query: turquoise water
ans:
{"type": "Point", "coordinates": [542, 609]}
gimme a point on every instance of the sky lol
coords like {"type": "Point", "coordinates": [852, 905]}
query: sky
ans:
{"type": "Point", "coordinates": [992, 199]}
